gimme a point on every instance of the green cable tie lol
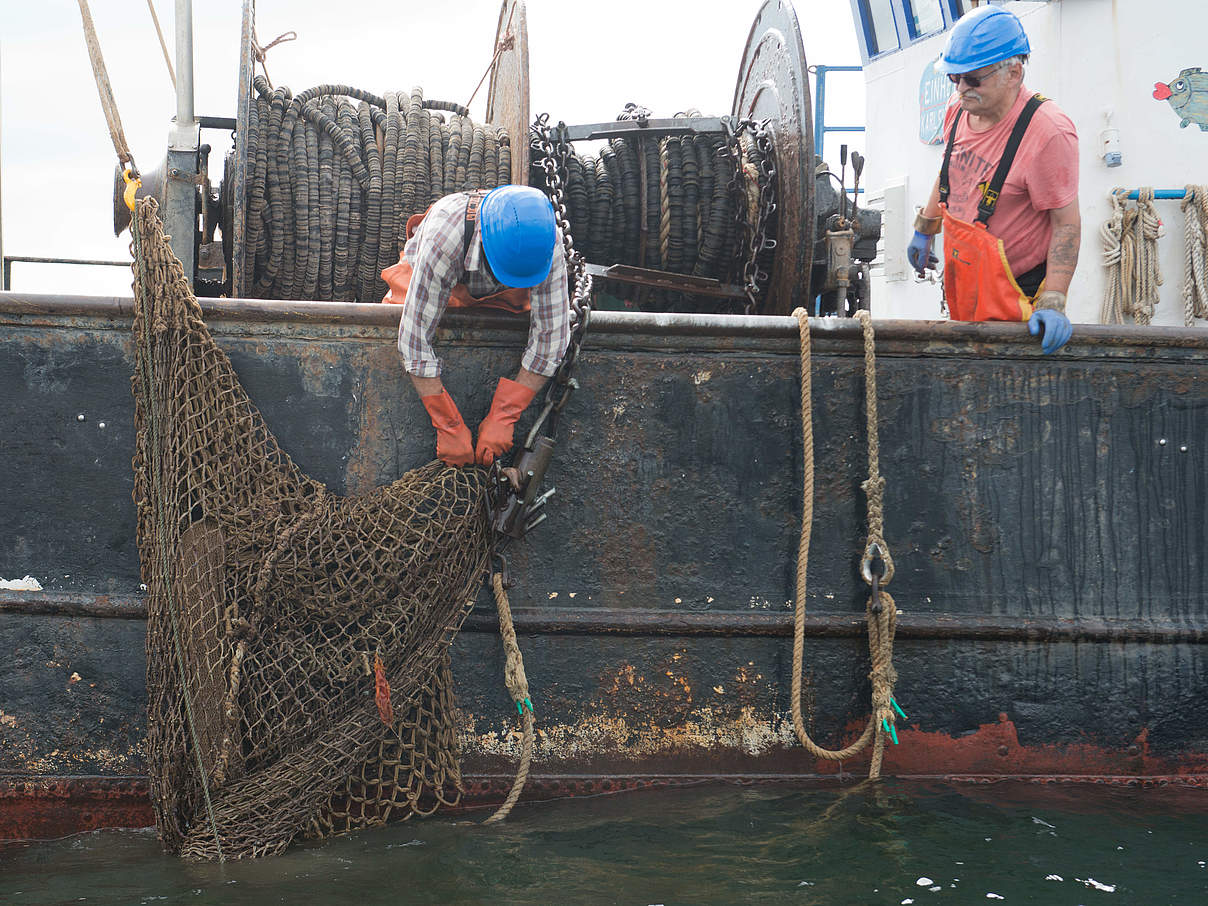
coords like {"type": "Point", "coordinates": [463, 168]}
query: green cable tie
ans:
{"type": "Point", "coordinates": [530, 706]}
{"type": "Point", "coordinates": [893, 701]}
{"type": "Point", "coordinates": [520, 708]}
{"type": "Point", "coordinates": [889, 728]}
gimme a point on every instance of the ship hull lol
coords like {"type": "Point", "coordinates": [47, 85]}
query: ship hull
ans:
{"type": "Point", "coordinates": [1046, 517]}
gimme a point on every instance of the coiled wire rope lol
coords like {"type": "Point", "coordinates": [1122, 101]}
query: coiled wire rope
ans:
{"type": "Point", "coordinates": [683, 204]}
{"type": "Point", "coordinates": [336, 171]}
{"type": "Point", "coordinates": [332, 182]}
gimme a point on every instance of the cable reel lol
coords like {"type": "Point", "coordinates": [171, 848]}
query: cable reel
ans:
{"type": "Point", "coordinates": [772, 95]}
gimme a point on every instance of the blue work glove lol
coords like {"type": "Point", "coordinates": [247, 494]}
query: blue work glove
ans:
{"type": "Point", "coordinates": [1053, 328]}
{"type": "Point", "coordinates": [919, 251]}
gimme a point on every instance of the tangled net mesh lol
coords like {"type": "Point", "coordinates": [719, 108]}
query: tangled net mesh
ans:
{"type": "Point", "coordinates": [276, 609]}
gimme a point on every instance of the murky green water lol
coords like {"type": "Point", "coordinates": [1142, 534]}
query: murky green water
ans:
{"type": "Point", "coordinates": [895, 843]}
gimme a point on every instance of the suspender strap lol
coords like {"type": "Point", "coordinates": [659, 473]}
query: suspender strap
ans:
{"type": "Point", "coordinates": [473, 200]}
{"type": "Point", "coordinates": [956, 121]}
{"type": "Point", "coordinates": [990, 192]}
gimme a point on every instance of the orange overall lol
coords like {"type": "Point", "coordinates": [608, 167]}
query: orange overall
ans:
{"type": "Point", "coordinates": [978, 283]}
{"type": "Point", "coordinates": [398, 276]}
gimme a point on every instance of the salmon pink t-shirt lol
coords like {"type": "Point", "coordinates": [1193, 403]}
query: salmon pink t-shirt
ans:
{"type": "Point", "coordinates": [1044, 176]}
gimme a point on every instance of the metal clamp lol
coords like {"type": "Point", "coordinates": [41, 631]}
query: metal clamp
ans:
{"type": "Point", "coordinates": [516, 505]}
{"type": "Point", "coordinates": [874, 559]}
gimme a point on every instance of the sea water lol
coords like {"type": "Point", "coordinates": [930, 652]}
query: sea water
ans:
{"type": "Point", "coordinates": [893, 842]}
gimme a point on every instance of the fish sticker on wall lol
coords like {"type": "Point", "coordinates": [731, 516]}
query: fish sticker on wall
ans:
{"type": "Point", "coordinates": [1188, 96]}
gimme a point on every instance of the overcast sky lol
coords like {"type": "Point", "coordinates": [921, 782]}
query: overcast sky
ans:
{"type": "Point", "coordinates": [586, 61]}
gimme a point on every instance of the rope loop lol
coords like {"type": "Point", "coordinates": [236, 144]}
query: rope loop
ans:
{"type": "Point", "coordinates": [259, 53]}
{"type": "Point", "coordinates": [880, 610]}
{"type": "Point", "coordinates": [1195, 261]}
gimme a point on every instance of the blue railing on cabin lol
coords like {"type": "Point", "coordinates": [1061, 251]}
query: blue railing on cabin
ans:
{"type": "Point", "coordinates": [820, 127]}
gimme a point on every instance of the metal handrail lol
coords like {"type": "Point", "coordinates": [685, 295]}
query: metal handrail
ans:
{"type": "Point", "coordinates": [1160, 193]}
{"type": "Point", "coordinates": [6, 279]}
{"type": "Point", "coordinates": [820, 127]}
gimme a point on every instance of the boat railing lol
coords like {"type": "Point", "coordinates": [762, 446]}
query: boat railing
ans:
{"type": "Point", "coordinates": [6, 281]}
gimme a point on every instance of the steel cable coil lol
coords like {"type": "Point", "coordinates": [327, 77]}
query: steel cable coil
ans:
{"type": "Point", "coordinates": [665, 203]}
{"type": "Point", "coordinates": [333, 174]}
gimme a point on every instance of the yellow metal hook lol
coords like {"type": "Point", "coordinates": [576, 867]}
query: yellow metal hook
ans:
{"type": "Point", "coordinates": [133, 184]}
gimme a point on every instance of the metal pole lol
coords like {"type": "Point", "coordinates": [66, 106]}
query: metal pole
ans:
{"type": "Point", "coordinates": [1161, 193]}
{"type": "Point", "coordinates": [184, 140]}
{"type": "Point", "coordinates": [184, 64]}
{"type": "Point", "coordinates": [819, 109]}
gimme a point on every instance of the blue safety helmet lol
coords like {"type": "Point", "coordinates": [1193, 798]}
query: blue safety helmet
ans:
{"type": "Point", "coordinates": [518, 234]}
{"type": "Point", "coordinates": [988, 34]}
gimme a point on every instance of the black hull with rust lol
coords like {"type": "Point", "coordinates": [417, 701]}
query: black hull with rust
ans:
{"type": "Point", "coordinates": [1047, 518]}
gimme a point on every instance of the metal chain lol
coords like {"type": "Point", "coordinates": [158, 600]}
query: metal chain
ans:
{"type": "Point", "coordinates": [753, 239]}
{"type": "Point", "coordinates": [555, 152]}
{"type": "Point", "coordinates": [514, 502]}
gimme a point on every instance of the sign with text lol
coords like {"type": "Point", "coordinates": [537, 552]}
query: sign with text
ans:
{"type": "Point", "coordinates": [934, 91]}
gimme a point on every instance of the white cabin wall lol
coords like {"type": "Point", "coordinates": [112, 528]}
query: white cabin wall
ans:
{"type": "Point", "coordinates": [1090, 56]}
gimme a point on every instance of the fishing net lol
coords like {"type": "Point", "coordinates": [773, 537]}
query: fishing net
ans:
{"type": "Point", "coordinates": [298, 673]}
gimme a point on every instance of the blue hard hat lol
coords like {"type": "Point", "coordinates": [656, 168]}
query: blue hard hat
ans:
{"type": "Point", "coordinates": [518, 234]}
{"type": "Point", "coordinates": [988, 34]}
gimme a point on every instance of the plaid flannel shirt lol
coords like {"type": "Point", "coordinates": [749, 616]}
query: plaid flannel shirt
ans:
{"type": "Point", "coordinates": [435, 255]}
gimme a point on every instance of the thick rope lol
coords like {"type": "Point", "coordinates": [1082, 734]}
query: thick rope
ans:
{"type": "Point", "coordinates": [1111, 234]}
{"type": "Point", "coordinates": [882, 624]}
{"type": "Point", "coordinates": [1147, 272]}
{"type": "Point", "coordinates": [1195, 263]}
{"type": "Point", "coordinates": [664, 205]}
{"type": "Point", "coordinates": [517, 683]}
{"type": "Point", "coordinates": [108, 104]}
{"type": "Point", "coordinates": [874, 486]}
{"type": "Point", "coordinates": [882, 613]}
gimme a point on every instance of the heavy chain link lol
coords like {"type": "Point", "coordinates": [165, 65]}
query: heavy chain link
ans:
{"type": "Point", "coordinates": [515, 506]}
{"type": "Point", "coordinates": [555, 152]}
{"type": "Point", "coordinates": [754, 239]}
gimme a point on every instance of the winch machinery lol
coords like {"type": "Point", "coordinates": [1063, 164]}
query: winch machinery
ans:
{"type": "Point", "coordinates": [692, 213]}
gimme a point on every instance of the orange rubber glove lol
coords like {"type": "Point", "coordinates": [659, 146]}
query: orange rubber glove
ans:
{"type": "Point", "coordinates": [454, 446]}
{"type": "Point", "coordinates": [495, 432]}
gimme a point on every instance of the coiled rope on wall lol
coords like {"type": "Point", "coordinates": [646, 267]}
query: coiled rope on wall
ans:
{"type": "Point", "coordinates": [332, 183]}
{"type": "Point", "coordinates": [1195, 258]}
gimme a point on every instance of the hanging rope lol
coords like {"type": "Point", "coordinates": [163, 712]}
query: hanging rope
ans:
{"type": "Point", "coordinates": [163, 45]}
{"type": "Point", "coordinates": [517, 683]}
{"type": "Point", "coordinates": [1195, 260]}
{"type": "Point", "coordinates": [1111, 234]}
{"type": "Point", "coordinates": [505, 43]}
{"type": "Point", "coordinates": [880, 611]}
{"type": "Point", "coordinates": [1142, 291]}
{"type": "Point", "coordinates": [108, 104]}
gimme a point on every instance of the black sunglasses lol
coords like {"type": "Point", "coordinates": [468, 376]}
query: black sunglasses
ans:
{"type": "Point", "coordinates": [971, 80]}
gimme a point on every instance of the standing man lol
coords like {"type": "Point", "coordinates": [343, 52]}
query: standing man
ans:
{"type": "Point", "coordinates": [1007, 194]}
{"type": "Point", "coordinates": [496, 249]}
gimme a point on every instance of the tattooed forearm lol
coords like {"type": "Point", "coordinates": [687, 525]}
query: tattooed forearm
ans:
{"type": "Point", "coordinates": [1063, 248]}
